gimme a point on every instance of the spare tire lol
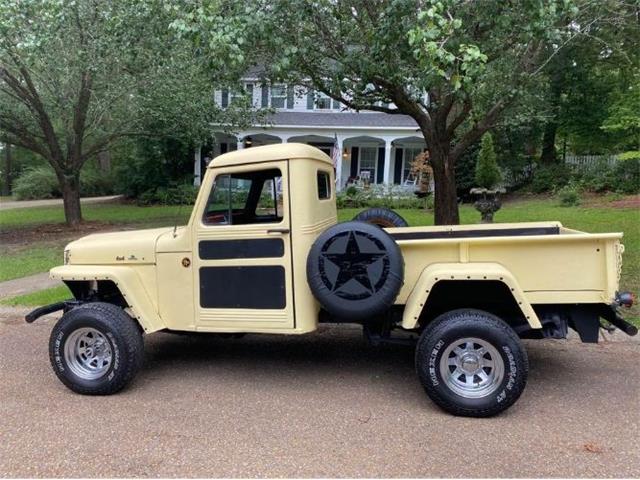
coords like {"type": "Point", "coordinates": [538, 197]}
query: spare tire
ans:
{"type": "Point", "coordinates": [355, 270]}
{"type": "Point", "coordinates": [382, 217]}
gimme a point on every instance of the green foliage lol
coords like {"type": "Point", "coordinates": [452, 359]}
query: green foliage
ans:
{"type": "Point", "coordinates": [466, 170]}
{"type": "Point", "coordinates": [183, 194]}
{"type": "Point", "coordinates": [41, 183]}
{"type": "Point", "coordinates": [487, 171]}
{"type": "Point", "coordinates": [386, 196]}
{"type": "Point", "coordinates": [36, 183]}
{"type": "Point", "coordinates": [622, 177]}
{"type": "Point", "coordinates": [149, 164]}
{"type": "Point", "coordinates": [569, 195]}
{"type": "Point", "coordinates": [548, 178]}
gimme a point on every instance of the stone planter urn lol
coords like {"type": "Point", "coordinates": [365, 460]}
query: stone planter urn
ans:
{"type": "Point", "coordinates": [487, 203]}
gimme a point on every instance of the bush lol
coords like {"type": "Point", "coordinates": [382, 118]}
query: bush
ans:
{"type": "Point", "coordinates": [626, 173]}
{"type": "Point", "coordinates": [487, 171]}
{"type": "Point", "coordinates": [41, 183]}
{"type": "Point", "coordinates": [569, 195]}
{"type": "Point", "coordinates": [182, 194]}
{"type": "Point", "coordinates": [548, 178]}
{"type": "Point", "coordinates": [388, 196]}
{"type": "Point", "coordinates": [35, 184]}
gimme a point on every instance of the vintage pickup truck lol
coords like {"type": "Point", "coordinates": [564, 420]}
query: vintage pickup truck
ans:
{"type": "Point", "coordinates": [263, 253]}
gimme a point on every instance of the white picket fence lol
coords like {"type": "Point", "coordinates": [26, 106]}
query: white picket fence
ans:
{"type": "Point", "coordinates": [587, 162]}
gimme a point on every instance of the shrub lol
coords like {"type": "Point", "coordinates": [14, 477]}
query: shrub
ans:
{"type": "Point", "coordinates": [388, 196]}
{"type": "Point", "coordinates": [626, 173]}
{"type": "Point", "coordinates": [569, 195]}
{"type": "Point", "coordinates": [487, 171]}
{"type": "Point", "coordinates": [41, 183]}
{"type": "Point", "coordinates": [183, 194]}
{"type": "Point", "coordinates": [547, 178]}
{"type": "Point", "coordinates": [35, 184]}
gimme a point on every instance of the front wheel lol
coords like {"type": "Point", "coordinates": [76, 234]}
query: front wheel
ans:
{"type": "Point", "coordinates": [471, 363]}
{"type": "Point", "coordinates": [96, 349]}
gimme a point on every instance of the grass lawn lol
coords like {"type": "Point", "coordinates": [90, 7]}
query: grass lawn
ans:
{"type": "Point", "coordinates": [36, 299]}
{"type": "Point", "coordinates": [590, 218]}
{"type": "Point", "coordinates": [29, 261]}
{"type": "Point", "coordinates": [108, 213]}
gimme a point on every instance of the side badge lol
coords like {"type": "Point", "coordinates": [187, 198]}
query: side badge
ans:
{"type": "Point", "coordinates": [186, 262]}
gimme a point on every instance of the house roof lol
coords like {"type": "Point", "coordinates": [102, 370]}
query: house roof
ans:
{"type": "Point", "coordinates": [340, 119]}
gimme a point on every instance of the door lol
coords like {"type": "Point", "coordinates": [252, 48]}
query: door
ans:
{"type": "Point", "coordinates": [243, 251]}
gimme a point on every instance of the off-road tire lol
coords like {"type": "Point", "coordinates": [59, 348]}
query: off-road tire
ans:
{"type": "Point", "coordinates": [451, 327]}
{"type": "Point", "coordinates": [382, 217]}
{"type": "Point", "coordinates": [124, 337]}
{"type": "Point", "coordinates": [370, 274]}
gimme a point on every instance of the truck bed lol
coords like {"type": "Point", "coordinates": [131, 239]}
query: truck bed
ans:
{"type": "Point", "coordinates": [551, 263]}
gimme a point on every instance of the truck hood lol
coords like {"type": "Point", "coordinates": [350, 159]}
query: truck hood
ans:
{"type": "Point", "coordinates": [117, 248]}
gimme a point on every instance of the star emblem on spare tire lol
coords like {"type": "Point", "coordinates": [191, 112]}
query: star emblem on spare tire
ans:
{"type": "Point", "coordinates": [354, 264]}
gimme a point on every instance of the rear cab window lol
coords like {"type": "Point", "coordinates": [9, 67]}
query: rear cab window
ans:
{"type": "Point", "coordinates": [324, 185]}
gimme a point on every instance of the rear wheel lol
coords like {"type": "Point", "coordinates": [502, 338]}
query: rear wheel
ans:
{"type": "Point", "coordinates": [96, 349]}
{"type": "Point", "coordinates": [471, 363]}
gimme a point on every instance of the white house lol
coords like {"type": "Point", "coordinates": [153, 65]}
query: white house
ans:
{"type": "Point", "coordinates": [372, 145]}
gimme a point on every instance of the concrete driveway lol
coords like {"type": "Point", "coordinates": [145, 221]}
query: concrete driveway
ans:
{"type": "Point", "coordinates": [320, 405]}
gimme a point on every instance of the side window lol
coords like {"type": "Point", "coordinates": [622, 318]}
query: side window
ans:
{"type": "Point", "coordinates": [245, 198]}
{"type": "Point", "coordinates": [324, 185]}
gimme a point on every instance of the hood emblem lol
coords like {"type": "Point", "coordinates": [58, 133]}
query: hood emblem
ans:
{"type": "Point", "coordinates": [120, 259]}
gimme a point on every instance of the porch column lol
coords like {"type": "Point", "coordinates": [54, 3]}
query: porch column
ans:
{"type": "Point", "coordinates": [240, 144]}
{"type": "Point", "coordinates": [197, 167]}
{"type": "Point", "coordinates": [338, 164]}
{"type": "Point", "coordinates": [387, 162]}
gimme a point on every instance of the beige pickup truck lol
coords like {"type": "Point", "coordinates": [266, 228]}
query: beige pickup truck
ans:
{"type": "Point", "coordinates": [263, 253]}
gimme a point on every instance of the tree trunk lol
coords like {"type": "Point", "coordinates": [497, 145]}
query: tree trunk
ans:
{"type": "Point", "coordinates": [6, 181]}
{"type": "Point", "coordinates": [70, 187]}
{"type": "Point", "coordinates": [549, 154]}
{"type": "Point", "coordinates": [444, 178]}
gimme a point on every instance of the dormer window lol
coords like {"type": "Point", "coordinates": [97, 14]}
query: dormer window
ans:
{"type": "Point", "coordinates": [322, 101]}
{"type": "Point", "coordinates": [278, 96]}
{"type": "Point", "coordinates": [239, 94]}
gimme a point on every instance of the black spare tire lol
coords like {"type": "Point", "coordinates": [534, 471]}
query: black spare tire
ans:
{"type": "Point", "coordinates": [355, 270]}
{"type": "Point", "coordinates": [382, 217]}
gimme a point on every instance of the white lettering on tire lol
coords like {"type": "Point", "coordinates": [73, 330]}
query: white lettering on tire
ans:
{"type": "Point", "coordinates": [432, 363]}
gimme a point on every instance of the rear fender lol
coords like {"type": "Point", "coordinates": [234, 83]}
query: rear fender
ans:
{"type": "Point", "coordinates": [128, 283]}
{"type": "Point", "coordinates": [463, 271]}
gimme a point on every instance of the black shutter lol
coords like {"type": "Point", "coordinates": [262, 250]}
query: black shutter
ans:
{"type": "Point", "coordinates": [290, 97]}
{"type": "Point", "coordinates": [265, 96]}
{"type": "Point", "coordinates": [223, 148]}
{"type": "Point", "coordinates": [397, 170]}
{"type": "Point", "coordinates": [310, 99]}
{"type": "Point", "coordinates": [380, 171]}
{"type": "Point", "coordinates": [355, 151]}
{"type": "Point", "coordinates": [225, 98]}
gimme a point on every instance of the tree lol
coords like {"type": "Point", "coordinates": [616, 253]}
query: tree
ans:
{"type": "Point", "coordinates": [76, 77]}
{"type": "Point", "coordinates": [454, 66]}
{"type": "Point", "coordinates": [583, 79]}
{"type": "Point", "coordinates": [624, 115]}
{"type": "Point", "coordinates": [487, 171]}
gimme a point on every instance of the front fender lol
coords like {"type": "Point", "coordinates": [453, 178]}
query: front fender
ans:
{"type": "Point", "coordinates": [463, 271]}
{"type": "Point", "coordinates": [127, 281]}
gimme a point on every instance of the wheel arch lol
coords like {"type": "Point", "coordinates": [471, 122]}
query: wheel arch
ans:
{"type": "Point", "coordinates": [486, 286]}
{"type": "Point", "coordinates": [119, 285]}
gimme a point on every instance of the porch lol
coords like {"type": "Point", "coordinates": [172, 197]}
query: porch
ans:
{"type": "Point", "coordinates": [365, 156]}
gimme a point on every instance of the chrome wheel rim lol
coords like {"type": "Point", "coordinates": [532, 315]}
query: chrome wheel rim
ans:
{"type": "Point", "coordinates": [87, 353]}
{"type": "Point", "coordinates": [472, 367]}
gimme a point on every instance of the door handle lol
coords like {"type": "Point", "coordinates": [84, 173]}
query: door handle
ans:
{"type": "Point", "coordinates": [281, 231]}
